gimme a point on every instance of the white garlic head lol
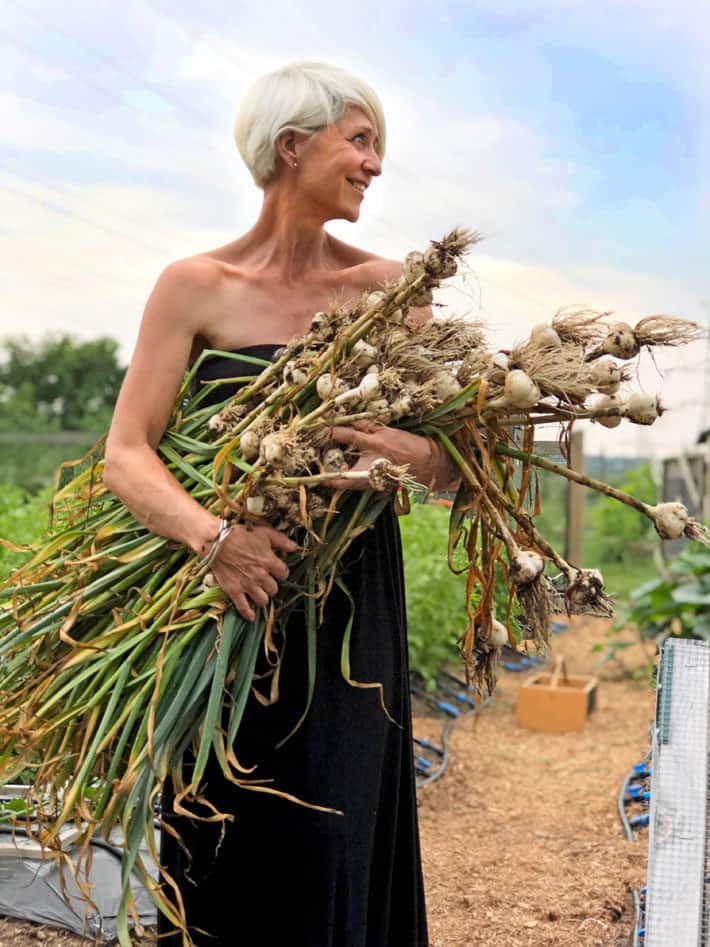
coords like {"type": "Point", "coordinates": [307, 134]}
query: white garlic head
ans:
{"type": "Point", "coordinates": [249, 445]}
{"type": "Point", "coordinates": [520, 390]}
{"type": "Point", "coordinates": [670, 519]}
{"type": "Point", "coordinates": [545, 337]}
{"type": "Point", "coordinates": [621, 341]}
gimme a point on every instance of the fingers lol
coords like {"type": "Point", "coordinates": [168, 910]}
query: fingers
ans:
{"type": "Point", "coordinates": [346, 435]}
{"type": "Point", "coordinates": [269, 585]}
{"type": "Point", "coordinates": [369, 427]}
{"type": "Point", "coordinates": [347, 484]}
{"type": "Point", "coordinates": [250, 569]}
{"type": "Point", "coordinates": [279, 540]}
{"type": "Point", "coordinates": [243, 607]}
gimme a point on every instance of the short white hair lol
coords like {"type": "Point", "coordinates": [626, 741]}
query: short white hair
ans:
{"type": "Point", "coordinates": [302, 97]}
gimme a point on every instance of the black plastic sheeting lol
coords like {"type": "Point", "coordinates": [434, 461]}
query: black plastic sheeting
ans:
{"type": "Point", "coordinates": [31, 890]}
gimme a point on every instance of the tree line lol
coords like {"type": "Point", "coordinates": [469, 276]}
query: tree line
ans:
{"type": "Point", "coordinates": [58, 383]}
{"type": "Point", "coordinates": [55, 384]}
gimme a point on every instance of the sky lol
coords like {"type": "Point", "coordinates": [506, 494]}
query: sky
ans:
{"type": "Point", "coordinates": [575, 136]}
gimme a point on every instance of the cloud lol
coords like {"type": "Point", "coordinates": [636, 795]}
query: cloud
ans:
{"type": "Point", "coordinates": [119, 134]}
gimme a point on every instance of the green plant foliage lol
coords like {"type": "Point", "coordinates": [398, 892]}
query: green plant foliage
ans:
{"type": "Point", "coordinates": [32, 466]}
{"type": "Point", "coordinates": [616, 533]}
{"type": "Point", "coordinates": [59, 383]}
{"type": "Point", "coordinates": [677, 603]}
{"type": "Point", "coordinates": [23, 520]}
{"type": "Point", "coordinates": [436, 614]}
{"type": "Point", "coordinates": [436, 596]}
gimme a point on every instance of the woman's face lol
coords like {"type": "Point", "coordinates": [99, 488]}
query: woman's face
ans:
{"type": "Point", "coordinates": [336, 165]}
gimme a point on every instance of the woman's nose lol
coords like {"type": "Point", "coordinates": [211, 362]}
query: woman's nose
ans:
{"type": "Point", "coordinates": [372, 164]}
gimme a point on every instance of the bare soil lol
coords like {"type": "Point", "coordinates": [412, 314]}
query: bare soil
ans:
{"type": "Point", "coordinates": [521, 841]}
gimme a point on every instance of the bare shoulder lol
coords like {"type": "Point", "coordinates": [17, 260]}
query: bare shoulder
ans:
{"type": "Point", "coordinates": [196, 274]}
{"type": "Point", "coordinates": [379, 271]}
{"type": "Point", "coordinates": [184, 292]}
{"type": "Point", "coordinates": [367, 270]}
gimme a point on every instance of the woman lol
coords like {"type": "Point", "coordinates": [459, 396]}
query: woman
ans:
{"type": "Point", "coordinates": [313, 138]}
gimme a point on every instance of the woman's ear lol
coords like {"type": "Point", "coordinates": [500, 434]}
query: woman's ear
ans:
{"type": "Point", "coordinates": [286, 148]}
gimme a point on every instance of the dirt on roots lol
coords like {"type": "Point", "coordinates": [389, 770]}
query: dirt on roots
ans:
{"type": "Point", "coordinates": [521, 841]}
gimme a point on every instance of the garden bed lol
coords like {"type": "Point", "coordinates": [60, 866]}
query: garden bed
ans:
{"type": "Point", "coordinates": [521, 841]}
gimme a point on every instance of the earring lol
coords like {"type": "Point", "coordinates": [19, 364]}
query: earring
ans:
{"type": "Point", "coordinates": [295, 164]}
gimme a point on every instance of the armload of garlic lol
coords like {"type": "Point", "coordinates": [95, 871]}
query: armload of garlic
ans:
{"type": "Point", "coordinates": [438, 378]}
{"type": "Point", "coordinates": [268, 456]}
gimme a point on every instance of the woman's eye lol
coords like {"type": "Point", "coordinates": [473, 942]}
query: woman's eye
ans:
{"type": "Point", "coordinates": [359, 137]}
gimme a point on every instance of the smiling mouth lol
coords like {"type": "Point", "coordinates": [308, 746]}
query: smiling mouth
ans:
{"type": "Point", "coordinates": [360, 188]}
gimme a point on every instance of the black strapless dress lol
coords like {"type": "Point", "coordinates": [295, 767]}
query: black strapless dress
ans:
{"type": "Point", "coordinates": [286, 875]}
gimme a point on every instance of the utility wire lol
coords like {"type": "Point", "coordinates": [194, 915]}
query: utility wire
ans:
{"type": "Point", "coordinates": [57, 207]}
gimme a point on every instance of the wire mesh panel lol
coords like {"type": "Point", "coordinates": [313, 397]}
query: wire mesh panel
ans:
{"type": "Point", "coordinates": [675, 905]}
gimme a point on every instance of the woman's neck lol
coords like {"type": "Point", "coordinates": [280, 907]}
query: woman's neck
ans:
{"type": "Point", "coordinates": [286, 239]}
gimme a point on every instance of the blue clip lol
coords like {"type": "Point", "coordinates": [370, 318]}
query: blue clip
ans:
{"type": "Point", "coordinates": [448, 708]}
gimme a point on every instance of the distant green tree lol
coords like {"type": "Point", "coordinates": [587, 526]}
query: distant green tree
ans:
{"type": "Point", "coordinates": [616, 533]}
{"type": "Point", "coordinates": [58, 383]}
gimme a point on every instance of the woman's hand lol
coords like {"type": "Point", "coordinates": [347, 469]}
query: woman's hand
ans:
{"type": "Point", "coordinates": [248, 567]}
{"type": "Point", "coordinates": [428, 463]}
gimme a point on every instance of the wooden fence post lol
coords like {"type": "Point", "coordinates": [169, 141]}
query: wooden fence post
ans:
{"type": "Point", "coordinates": [575, 503]}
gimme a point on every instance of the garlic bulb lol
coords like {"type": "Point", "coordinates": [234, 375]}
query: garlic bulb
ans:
{"type": "Point", "coordinates": [526, 566]}
{"type": "Point", "coordinates": [381, 408]}
{"type": "Point", "coordinates": [256, 505]}
{"type": "Point", "coordinates": [364, 353]}
{"type": "Point", "coordinates": [413, 266]}
{"type": "Point", "coordinates": [499, 634]}
{"type": "Point", "coordinates": [544, 336]}
{"type": "Point", "coordinates": [320, 323]}
{"type": "Point", "coordinates": [520, 390]}
{"type": "Point", "coordinates": [670, 519]}
{"type": "Point", "coordinates": [215, 425]}
{"type": "Point", "coordinates": [442, 265]}
{"type": "Point", "coordinates": [325, 386]}
{"type": "Point", "coordinates": [642, 408]}
{"type": "Point", "coordinates": [621, 341]}
{"type": "Point", "coordinates": [586, 588]}
{"type": "Point", "coordinates": [375, 298]}
{"type": "Point", "coordinates": [369, 387]}
{"type": "Point", "coordinates": [333, 459]}
{"type": "Point", "coordinates": [445, 386]}
{"type": "Point", "coordinates": [402, 406]}
{"type": "Point", "coordinates": [607, 403]}
{"type": "Point", "coordinates": [501, 361]}
{"type": "Point", "coordinates": [249, 445]}
{"type": "Point", "coordinates": [272, 448]}
{"type": "Point", "coordinates": [383, 474]}
{"type": "Point", "coordinates": [605, 375]}
{"type": "Point", "coordinates": [293, 375]}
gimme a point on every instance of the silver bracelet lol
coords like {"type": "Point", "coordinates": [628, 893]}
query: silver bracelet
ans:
{"type": "Point", "coordinates": [206, 561]}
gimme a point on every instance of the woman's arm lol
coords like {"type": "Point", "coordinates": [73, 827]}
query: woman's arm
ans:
{"type": "Point", "coordinates": [428, 464]}
{"type": "Point", "coordinates": [132, 469]}
{"type": "Point", "coordinates": [247, 566]}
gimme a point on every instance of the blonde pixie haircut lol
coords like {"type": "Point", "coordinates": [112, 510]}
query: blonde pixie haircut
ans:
{"type": "Point", "coordinates": [302, 97]}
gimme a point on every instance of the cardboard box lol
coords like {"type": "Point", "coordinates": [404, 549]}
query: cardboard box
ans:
{"type": "Point", "coordinates": [556, 702]}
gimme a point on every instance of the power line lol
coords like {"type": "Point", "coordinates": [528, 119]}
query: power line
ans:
{"type": "Point", "coordinates": [62, 209]}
